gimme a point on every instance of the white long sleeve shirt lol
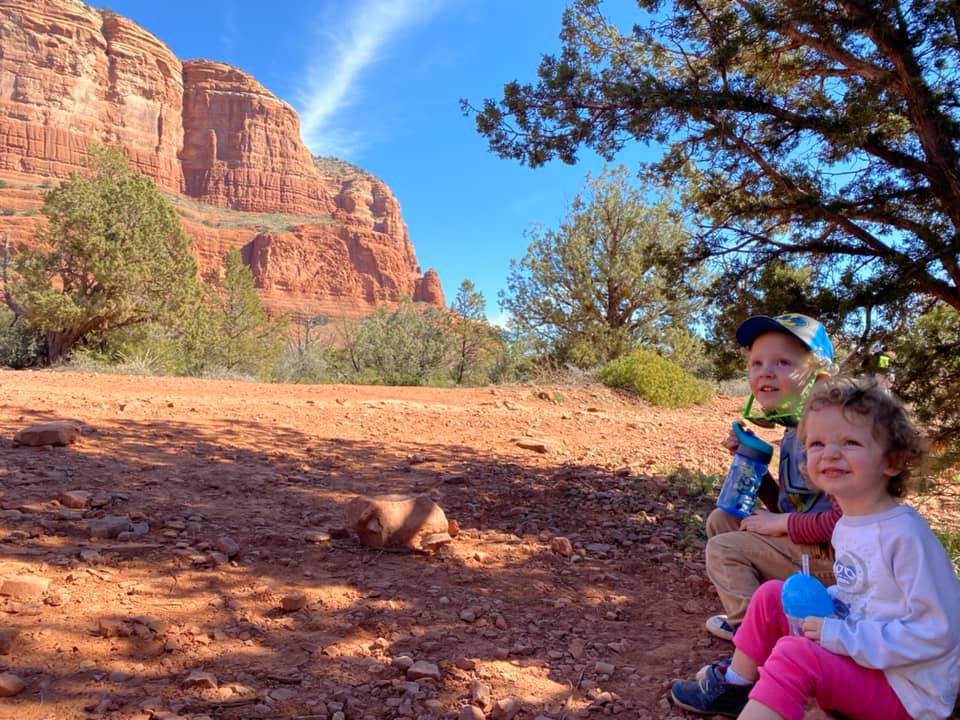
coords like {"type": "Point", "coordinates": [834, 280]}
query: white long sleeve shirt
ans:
{"type": "Point", "coordinates": [904, 601]}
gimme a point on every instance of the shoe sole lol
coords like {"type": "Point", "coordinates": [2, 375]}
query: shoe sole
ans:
{"type": "Point", "coordinates": [719, 632]}
{"type": "Point", "coordinates": [698, 711]}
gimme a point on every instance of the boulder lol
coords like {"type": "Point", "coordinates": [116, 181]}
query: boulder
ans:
{"type": "Point", "coordinates": [51, 433]}
{"type": "Point", "coordinates": [415, 522]}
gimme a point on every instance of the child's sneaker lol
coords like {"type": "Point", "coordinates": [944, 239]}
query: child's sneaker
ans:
{"type": "Point", "coordinates": [718, 626]}
{"type": "Point", "coordinates": [711, 695]}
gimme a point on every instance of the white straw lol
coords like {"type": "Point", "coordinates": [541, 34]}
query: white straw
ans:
{"type": "Point", "coordinates": [805, 563]}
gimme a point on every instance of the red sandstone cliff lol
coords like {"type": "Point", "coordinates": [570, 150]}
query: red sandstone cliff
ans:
{"type": "Point", "coordinates": [71, 75]}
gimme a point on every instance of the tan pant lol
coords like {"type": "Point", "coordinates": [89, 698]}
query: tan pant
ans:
{"type": "Point", "coordinates": [739, 561]}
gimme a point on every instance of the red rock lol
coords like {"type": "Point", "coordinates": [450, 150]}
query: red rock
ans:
{"type": "Point", "coordinates": [71, 75]}
{"type": "Point", "coordinates": [24, 588]}
{"type": "Point", "coordinates": [428, 289]}
{"type": "Point", "coordinates": [52, 433]}
{"type": "Point", "coordinates": [401, 520]}
{"type": "Point", "coordinates": [10, 685]}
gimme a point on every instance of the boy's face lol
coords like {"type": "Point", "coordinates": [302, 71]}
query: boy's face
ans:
{"type": "Point", "coordinates": [778, 368]}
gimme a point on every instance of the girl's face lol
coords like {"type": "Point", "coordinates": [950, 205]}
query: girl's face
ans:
{"type": "Point", "coordinates": [845, 460]}
{"type": "Point", "coordinates": [778, 367]}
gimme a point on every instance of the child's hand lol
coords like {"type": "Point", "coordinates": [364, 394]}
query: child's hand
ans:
{"type": "Point", "coordinates": [812, 626]}
{"type": "Point", "coordinates": [765, 522]}
{"type": "Point", "coordinates": [731, 442]}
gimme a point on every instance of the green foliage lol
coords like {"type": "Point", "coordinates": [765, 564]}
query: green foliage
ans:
{"type": "Point", "coordinates": [928, 376]}
{"type": "Point", "coordinates": [608, 279]}
{"type": "Point", "coordinates": [7, 212]}
{"type": "Point", "coordinates": [112, 256]}
{"type": "Point", "coordinates": [656, 380]}
{"type": "Point", "coordinates": [821, 131]}
{"type": "Point", "coordinates": [776, 288]}
{"type": "Point", "coordinates": [407, 346]}
{"type": "Point", "coordinates": [951, 543]}
{"type": "Point", "coordinates": [20, 345]}
{"type": "Point", "coordinates": [4, 184]}
{"type": "Point", "coordinates": [242, 339]}
{"type": "Point", "coordinates": [476, 345]}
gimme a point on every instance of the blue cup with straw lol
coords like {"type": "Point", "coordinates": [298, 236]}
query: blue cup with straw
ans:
{"type": "Point", "coordinates": [804, 596]}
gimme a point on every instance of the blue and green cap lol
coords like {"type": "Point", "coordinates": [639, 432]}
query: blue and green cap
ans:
{"type": "Point", "coordinates": [808, 331]}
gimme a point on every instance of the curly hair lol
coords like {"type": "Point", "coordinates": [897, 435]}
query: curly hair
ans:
{"type": "Point", "coordinates": [891, 424]}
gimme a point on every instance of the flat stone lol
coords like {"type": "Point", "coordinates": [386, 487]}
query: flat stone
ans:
{"type": "Point", "coordinates": [293, 601]}
{"type": "Point", "coordinates": [11, 685]}
{"type": "Point", "coordinates": [283, 694]}
{"type": "Point", "coordinates": [200, 680]}
{"type": "Point", "coordinates": [471, 712]}
{"type": "Point", "coordinates": [24, 588]}
{"type": "Point", "coordinates": [403, 662]}
{"type": "Point", "coordinates": [505, 709]}
{"type": "Point", "coordinates": [423, 669]}
{"type": "Point", "coordinates": [109, 527]}
{"type": "Point", "coordinates": [561, 546]}
{"type": "Point", "coordinates": [75, 499]}
{"type": "Point", "coordinates": [227, 545]}
{"type": "Point", "coordinates": [604, 668]}
{"type": "Point", "coordinates": [51, 433]}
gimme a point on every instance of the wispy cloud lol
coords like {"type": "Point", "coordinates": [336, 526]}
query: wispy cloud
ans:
{"type": "Point", "coordinates": [333, 79]}
{"type": "Point", "coordinates": [229, 29]}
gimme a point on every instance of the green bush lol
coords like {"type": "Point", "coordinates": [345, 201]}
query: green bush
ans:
{"type": "Point", "coordinates": [7, 212]}
{"type": "Point", "coordinates": [656, 380]}
{"type": "Point", "coordinates": [20, 345]}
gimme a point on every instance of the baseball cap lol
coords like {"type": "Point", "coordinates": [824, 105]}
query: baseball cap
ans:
{"type": "Point", "coordinates": [808, 331]}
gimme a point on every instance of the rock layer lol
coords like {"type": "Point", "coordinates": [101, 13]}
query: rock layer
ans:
{"type": "Point", "coordinates": [71, 75]}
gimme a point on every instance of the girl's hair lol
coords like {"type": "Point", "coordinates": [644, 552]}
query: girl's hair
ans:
{"type": "Point", "coordinates": [890, 422]}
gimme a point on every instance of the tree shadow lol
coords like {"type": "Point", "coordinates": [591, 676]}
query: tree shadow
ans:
{"type": "Point", "coordinates": [499, 606]}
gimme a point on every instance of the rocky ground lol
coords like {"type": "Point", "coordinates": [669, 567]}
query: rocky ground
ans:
{"type": "Point", "coordinates": [186, 558]}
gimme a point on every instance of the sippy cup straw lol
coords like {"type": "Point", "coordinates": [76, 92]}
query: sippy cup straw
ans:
{"type": "Point", "coordinates": [805, 564]}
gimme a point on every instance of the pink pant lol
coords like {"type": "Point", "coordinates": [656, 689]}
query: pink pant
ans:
{"type": "Point", "coordinates": [794, 669]}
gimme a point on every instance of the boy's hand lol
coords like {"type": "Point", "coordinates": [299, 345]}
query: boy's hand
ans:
{"type": "Point", "coordinates": [812, 627]}
{"type": "Point", "coordinates": [731, 442]}
{"type": "Point", "coordinates": [765, 522]}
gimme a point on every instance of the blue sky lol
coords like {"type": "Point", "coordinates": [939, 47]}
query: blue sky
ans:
{"type": "Point", "coordinates": [377, 83]}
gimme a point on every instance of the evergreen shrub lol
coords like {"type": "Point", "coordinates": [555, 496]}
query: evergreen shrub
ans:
{"type": "Point", "coordinates": [655, 379]}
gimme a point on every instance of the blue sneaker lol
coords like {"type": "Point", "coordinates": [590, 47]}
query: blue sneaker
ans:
{"type": "Point", "coordinates": [711, 695]}
{"type": "Point", "coordinates": [718, 626]}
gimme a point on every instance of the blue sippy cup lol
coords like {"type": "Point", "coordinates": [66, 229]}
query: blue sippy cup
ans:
{"type": "Point", "coordinates": [739, 491]}
{"type": "Point", "coordinates": [804, 596]}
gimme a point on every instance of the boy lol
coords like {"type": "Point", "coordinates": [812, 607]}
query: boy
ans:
{"type": "Point", "coordinates": [786, 355]}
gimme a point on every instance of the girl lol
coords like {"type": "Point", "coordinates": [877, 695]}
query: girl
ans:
{"type": "Point", "coordinates": [897, 654]}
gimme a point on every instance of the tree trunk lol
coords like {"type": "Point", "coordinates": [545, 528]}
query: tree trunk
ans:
{"type": "Point", "coordinates": [60, 344]}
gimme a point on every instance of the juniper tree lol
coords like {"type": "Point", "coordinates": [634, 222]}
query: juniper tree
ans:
{"type": "Point", "coordinates": [819, 129]}
{"type": "Point", "coordinates": [112, 256]}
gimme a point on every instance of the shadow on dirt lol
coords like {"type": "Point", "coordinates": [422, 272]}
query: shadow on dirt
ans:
{"type": "Point", "coordinates": [497, 607]}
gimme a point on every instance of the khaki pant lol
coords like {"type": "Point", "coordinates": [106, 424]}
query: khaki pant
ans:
{"type": "Point", "coordinates": [739, 561]}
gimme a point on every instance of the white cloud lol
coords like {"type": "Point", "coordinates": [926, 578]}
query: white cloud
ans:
{"type": "Point", "coordinates": [333, 79]}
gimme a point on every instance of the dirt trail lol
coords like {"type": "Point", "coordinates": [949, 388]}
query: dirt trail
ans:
{"type": "Point", "coordinates": [185, 462]}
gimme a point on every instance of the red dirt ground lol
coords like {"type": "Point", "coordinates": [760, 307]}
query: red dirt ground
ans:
{"type": "Point", "coordinates": [119, 630]}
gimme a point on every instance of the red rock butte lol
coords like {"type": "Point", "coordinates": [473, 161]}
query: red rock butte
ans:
{"type": "Point", "coordinates": [321, 236]}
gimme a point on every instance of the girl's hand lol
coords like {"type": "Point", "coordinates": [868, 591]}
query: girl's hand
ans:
{"type": "Point", "coordinates": [764, 522]}
{"type": "Point", "coordinates": [812, 627]}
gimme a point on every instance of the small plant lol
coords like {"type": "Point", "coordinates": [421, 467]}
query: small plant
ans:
{"type": "Point", "coordinates": [46, 184]}
{"type": "Point", "coordinates": [951, 543]}
{"type": "Point", "coordinates": [696, 482]}
{"type": "Point", "coordinates": [4, 184]}
{"type": "Point", "coordinates": [655, 379]}
{"type": "Point", "coordinates": [6, 212]}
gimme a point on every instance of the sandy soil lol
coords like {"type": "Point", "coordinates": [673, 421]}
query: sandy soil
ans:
{"type": "Point", "coordinates": [124, 622]}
